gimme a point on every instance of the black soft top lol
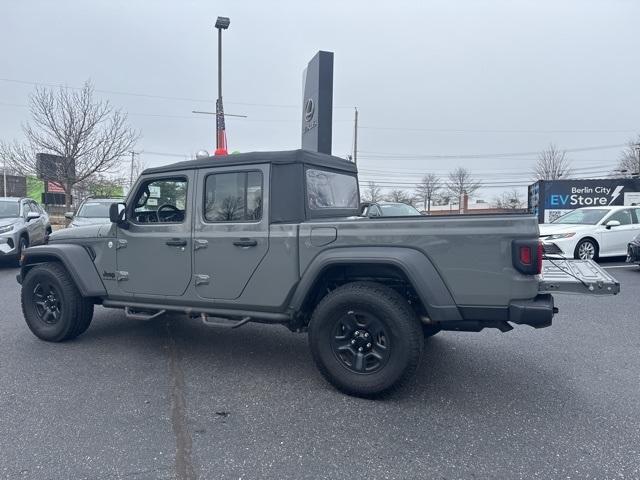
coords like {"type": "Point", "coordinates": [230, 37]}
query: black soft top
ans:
{"type": "Point", "coordinates": [287, 198]}
{"type": "Point", "coordinates": [251, 158]}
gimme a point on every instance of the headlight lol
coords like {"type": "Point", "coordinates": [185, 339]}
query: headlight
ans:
{"type": "Point", "coordinates": [6, 228]}
{"type": "Point", "coordinates": [560, 235]}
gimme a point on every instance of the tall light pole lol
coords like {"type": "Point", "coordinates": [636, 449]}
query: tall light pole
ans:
{"type": "Point", "coordinates": [222, 23]}
{"type": "Point", "coordinates": [4, 177]}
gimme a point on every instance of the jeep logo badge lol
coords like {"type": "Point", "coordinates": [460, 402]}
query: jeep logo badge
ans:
{"type": "Point", "coordinates": [309, 109]}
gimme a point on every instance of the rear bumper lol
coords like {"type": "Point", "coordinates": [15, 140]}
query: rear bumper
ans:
{"type": "Point", "coordinates": [536, 312]}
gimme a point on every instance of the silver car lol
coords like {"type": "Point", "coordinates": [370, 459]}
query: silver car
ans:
{"type": "Point", "coordinates": [93, 211]}
{"type": "Point", "coordinates": [22, 223]}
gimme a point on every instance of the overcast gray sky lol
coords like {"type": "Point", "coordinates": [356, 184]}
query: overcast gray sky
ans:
{"type": "Point", "coordinates": [429, 78]}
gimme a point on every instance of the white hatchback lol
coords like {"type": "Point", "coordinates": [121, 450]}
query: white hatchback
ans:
{"type": "Point", "coordinates": [591, 232]}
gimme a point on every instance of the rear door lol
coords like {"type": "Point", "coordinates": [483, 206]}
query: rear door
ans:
{"type": "Point", "coordinates": [231, 229]}
{"type": "Point", "coordinates": [154, 253]}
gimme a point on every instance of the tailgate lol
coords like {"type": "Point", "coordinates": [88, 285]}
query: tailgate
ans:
{"type": "Point", "coordinates": [576, 276]}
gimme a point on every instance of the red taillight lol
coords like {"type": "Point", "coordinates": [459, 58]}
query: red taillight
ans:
{"type": "Point", "coordinates": [525, 255]}
{"type": "Point", "coordinates": [539, 258]}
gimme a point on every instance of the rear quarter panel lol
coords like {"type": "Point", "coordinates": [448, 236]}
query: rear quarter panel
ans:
{"type": "Point", "coordinates": [472, 253]}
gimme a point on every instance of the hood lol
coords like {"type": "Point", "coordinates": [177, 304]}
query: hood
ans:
{"type": "Point", "coordinates": [554, 228]}
{"type": "Point", "coordinates": [8, 221]}
{"type": "Point", "coordinates": [89, 231]}
{"type": "Point", "coordinates": [84, 221]}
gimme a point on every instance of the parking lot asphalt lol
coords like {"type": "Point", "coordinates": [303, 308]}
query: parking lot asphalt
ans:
{"type": "Point", "coordinates": [172, 398]}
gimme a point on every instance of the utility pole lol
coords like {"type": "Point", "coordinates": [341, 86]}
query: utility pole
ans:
{"type": "Point", "coordinates": [636, 148]}
{"type": "Point", "coordinates": [355, 136]}
{"type": "Point", "coordinates": [133, 161]}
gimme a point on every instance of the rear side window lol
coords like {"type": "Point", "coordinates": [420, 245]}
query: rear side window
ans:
{"type": "Point", "coordinates": [233, 197]}
{"type": "Point", "coordinates": [331, 190]}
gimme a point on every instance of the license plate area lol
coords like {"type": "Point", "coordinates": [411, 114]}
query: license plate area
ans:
{"type": "Point", "coordinates": [584, 277]}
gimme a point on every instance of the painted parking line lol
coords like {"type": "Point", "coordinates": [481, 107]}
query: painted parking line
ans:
{"type": "Point", "coordinates": [622, 266]}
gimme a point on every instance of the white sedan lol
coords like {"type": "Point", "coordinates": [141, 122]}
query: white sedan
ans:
{"type": "Point", "coordinates": [591, 232]}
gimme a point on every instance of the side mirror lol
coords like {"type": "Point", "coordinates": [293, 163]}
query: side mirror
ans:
{"type": "Point", "coordinates": [32, 216]}
{"type": "Point", "coordinates": [68, 215]}
{"type": "Point", "coordinates": [117, 214]}
{"type": "Point", "coordinates": [612, 223]}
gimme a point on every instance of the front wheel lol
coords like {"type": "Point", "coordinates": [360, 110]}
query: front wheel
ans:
{"type": "Point", "coordinates": [586, 249]}
{"type": "Point", "coordinates": [52, 306]}
{"type": "Point", "coordinates": [365, 339]}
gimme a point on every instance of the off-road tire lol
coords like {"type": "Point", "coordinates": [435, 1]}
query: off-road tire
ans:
{"type": "Point", "coordinates": [391, 310]}
{"type": "Point", "coordinates": [75, 311]}
{"type": "Point", "coordinates": [596, 249]}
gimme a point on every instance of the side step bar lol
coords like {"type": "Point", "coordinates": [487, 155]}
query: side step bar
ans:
{"type": "Point", "coordinates": [142, 315]}
{"type": "Point", "coordinates": [223, 322]}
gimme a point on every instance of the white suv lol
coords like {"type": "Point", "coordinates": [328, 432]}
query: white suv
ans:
{"type": "Point", "coordinates": [592, 232]}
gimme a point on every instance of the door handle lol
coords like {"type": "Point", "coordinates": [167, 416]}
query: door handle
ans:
{"type": "Point", "coordinates": [245, 242]}
{"type": "Point", "coordinates": [176, 242]}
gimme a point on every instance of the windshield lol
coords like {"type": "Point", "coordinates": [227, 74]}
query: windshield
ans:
{"type": "Point", "coordinates": [9, 209]}
{"type": "Point", "coordinates": [94, 210]}
{"type": "Point", "coordinates": [397, 210]}
{"type": "Point", "coordinates": [582, 217]}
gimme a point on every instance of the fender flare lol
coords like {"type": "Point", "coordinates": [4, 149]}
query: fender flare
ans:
{"type": "Point", "coordinates": [424, 277]}
{"type": "Point", "coordinates": [75, 259]}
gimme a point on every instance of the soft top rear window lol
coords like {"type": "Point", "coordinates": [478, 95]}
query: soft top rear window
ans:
{"type": "Point", "coordinates": [327, 189]}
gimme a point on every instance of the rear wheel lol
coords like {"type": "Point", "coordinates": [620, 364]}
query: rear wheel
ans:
{"type": "Point", "coordinates": [586, 249]}
{"type": "Point", "coordinates": [365, 339]}
{"type": "Point", "coordinates": [52, 306]}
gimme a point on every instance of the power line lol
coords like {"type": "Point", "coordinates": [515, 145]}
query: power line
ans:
{"type": "Point", "coordinates": [472, 130]}
{"type": "Point", "coordinates": [480, 155]}
{"type": "Point", "coordinates": [147, 95]}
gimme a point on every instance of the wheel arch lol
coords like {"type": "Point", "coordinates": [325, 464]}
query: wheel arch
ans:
{"type": "Point", "coordinates": [74, 258]}
{"type": "Point", "coordinates": [391, 265]}
{"type": "Point", "coordinates": [587, 237]}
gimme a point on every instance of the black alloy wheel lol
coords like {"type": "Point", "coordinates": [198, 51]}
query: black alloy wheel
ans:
{"type": "Point", "coordinates": [48, 302]}
{"type": "Point", "coordinates": [360, 342]}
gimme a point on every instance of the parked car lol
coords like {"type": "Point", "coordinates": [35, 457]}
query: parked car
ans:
{"type": "Point", "coordinates": [592, 232]}
{"type": "Point", "coordinates": [92, 211]}
{"type": "Point", "coordinates": [388, 209]}
{"type": "Point", "coordinates": [22, 223]}
{"type": "Point", "coordinates": [275, 237]}
{"type": "Point", "coordinates": [633, 250]}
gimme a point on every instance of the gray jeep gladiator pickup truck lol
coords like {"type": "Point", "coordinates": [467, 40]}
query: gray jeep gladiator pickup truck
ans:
{"type": "Point", "coordinates": [275, 237]}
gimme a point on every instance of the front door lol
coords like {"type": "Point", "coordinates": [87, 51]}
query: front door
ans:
{"type": "Point", "coordinates": [231, 229]}
{"type": "Point", "coordinates": [154, 252]}
{"type": "Point", "coordinates": [616, 239]}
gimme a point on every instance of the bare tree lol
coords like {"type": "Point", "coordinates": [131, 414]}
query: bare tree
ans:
{"type": "Point", "coordinates": [460, 182]}
{"type": "Point", "coordinates": [427, 190]}
{"type": "Point", "coordinates": [89, 134]}
{"type": "Point", "coordinates": [100, 185]}
{"type": "Point", "coordinates": [373, 193]}
{"type": "Point", "coordinates": [400, 196]}
{"type": "Point", "coordinates": [629, 162]}
{"type": "Point", "coordinates": [552, 164]}
{"type": "Point", "coordinates": [511, 200]}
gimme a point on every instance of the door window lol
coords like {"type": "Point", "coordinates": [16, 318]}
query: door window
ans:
{"type": "Point", "coordinates": [233, 197]}
{"type": "Point", "coordinates": [623, 216]}
{"type": "Point", "coordinates": [162, 200]}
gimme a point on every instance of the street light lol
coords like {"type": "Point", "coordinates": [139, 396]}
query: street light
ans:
{"type": "Point", "coordinates": [222, 23]}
